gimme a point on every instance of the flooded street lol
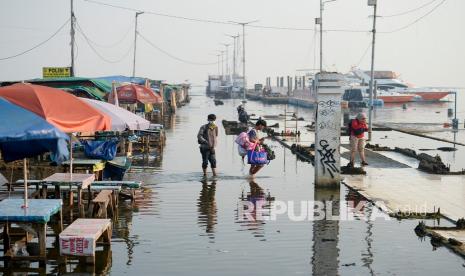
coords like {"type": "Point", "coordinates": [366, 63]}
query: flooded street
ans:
{"type": "Point", "coordinates": [184, 224]}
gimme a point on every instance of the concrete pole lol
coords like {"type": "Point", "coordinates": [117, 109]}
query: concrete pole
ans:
{"type": "Point", "coordinates": [325, 249]}
{"type": "Point", "coordinates": [328, 130]}
{"type": "Point", "coordinates": [372, 73]}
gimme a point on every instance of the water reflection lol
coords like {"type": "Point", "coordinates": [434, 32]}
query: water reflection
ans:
{"type": "Point", "coordinates": [253, 210]}
{"type": "Point", "coordinates": [326, 233]}
{"type": "Point", "coordinates": [207, 209]}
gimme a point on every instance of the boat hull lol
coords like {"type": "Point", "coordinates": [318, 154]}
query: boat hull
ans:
{"type": "Point", "coordinates": [397, 98]}
{"type": "Point", "coordinates": [431, 96]}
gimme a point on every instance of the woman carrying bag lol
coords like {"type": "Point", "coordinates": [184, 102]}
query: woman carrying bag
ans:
{"type": "Point", "coordinates": [256, 157]}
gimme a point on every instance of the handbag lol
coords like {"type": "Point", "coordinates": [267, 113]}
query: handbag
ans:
{"type": "Point", "coordinates": [255, 157]}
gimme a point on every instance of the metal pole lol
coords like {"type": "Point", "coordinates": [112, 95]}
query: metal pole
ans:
{"type": "Point", "coordinates": [243, 60]}
{"type": "Point", "coordinates": [25, 182]}
{"type": "Point", "coordinates": [370, 111]}
{"type": "Point", "coordinates": [218, 63]}
{"type": "Point", "coordinates": [72, 38]}
{"type": "Point", "coordinates": [321, 35]}
{"type": "Point", "coordinates": [222, 64]}
{"type": "Point", "coordinates": [227, 58]}
{"type": "Point", "coordinates": [234, 55]}
{"type": "Point", "coordinates": [135, 46]}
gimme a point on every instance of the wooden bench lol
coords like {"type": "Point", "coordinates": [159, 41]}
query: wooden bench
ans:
{"type": "Point", "coordinates": [103, 204]}
{"type": "Point", "coordinates": [132, 186]}
{"type": "Point", "coordinates": [81, 237]}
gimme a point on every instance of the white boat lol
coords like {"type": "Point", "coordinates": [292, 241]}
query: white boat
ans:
{"type": "Point", "coordinates": [390, 81]}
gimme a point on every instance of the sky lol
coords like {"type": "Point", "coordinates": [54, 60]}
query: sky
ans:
{"type": "Point", "coordinates": [430, 52]}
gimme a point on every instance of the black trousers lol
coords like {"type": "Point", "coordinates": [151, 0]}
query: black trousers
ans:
{"type": "Point", "coordinates": [208, 156]}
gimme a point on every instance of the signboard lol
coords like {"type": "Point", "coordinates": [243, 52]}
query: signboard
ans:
{"type": "Point", "coordinates": [56, 72]}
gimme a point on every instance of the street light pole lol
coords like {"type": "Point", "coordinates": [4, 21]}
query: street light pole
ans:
{"type": "Point", "coordinates": [218, 55]}
{"type": "Point", "coordinates": [227, 57]}
{"type": "Point", "coordinates": [135, 44]}
{"type": "Point", "coordinates": [243, 53]}
{"type": "Point", "coordinates": [234, 37]}
{"type": "Point", "coordinates": [321, 36]}
{"type": "Point", "coordinates": [222, 64]}
{"type": "Point", "coordinates": [319, 21]}
{"type": "Point", "coordinates": [72, 39]}
{"type": "Point", "coordinates": [370, 111]}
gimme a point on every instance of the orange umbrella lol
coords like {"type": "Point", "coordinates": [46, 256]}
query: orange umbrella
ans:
{"type": "Point", "coordinates": [59, 108]}
{"type": "Point", "coordinates": [133, 93]}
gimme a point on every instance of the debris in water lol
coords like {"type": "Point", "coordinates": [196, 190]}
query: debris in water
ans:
{"type": "Point", "coordinates": [447, 149]}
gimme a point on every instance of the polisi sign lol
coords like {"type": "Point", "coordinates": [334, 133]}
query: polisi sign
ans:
{"type": "Point", "coordinates": [56, 72]}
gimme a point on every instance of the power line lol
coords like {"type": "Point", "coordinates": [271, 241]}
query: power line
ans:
{"type": "Point", "coordinates": [79, 29]}
{"type": "Point", "coordinates": [364, 54]}
{"type": "Point", "coordinates": [211, 21]}
{"type": "Point", "coordinates": [411, 10]}
{"type": "Point", "coordinates": [160, 14]}
{"type": "Point", "coordinates": [416, 20]}
{"type": "Point", "coordinates": [112, 45]}
{"type": "Point", "coordinates": [172, 56]}
{"type": "Point", "coordinates": [38, 45]}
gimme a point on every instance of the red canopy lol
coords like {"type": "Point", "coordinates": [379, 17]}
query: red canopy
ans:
{"type": "Point", "coordinates": [132, 93]}
{"type": "Point", "coordinates": [59, 108]}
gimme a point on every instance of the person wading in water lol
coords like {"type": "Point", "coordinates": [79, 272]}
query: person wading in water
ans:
{"type": "Point", "coordinates": [255, 141]}
{"type": "Point", "coordinates": [207, 138]}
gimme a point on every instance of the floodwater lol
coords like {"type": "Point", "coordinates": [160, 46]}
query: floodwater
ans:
{"type": "Point", "coordinates": [186, 225]}
{"type": "Point", "coordinates": [183, 224]}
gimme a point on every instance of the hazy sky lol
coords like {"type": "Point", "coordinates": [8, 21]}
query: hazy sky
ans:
{"type": "Point", "coordinates": [430, 52]}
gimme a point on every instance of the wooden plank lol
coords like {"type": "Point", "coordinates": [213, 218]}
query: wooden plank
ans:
{"type": "Point", "coordinates": [103, 196]}
{"type": "Point", "coordinates": [124, 184]}
{"type": "Point", "coordinates": [77, 179]}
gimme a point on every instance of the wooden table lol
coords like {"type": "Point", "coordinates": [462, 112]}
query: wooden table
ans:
{"type": "Point", "coordinates": [32, 219]}
{"type": "Point", "coordinates": [90, 165]}
{"type": "Point", "coordinates": [80, 238]}
{"type": "Point", "coordinates": [79, 180]}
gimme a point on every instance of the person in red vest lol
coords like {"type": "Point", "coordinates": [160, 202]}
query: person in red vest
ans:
{"type": "Point", "coordinates": [358, 127]}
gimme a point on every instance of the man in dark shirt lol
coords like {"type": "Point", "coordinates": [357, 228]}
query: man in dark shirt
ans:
{"type": "Point", "coordinates": [207, 138]}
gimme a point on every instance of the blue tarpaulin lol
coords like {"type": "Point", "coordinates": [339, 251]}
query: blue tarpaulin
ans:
{"type": "Point", "coordinates": [23, 134]}
{"type": "Point", "coordinates": [105, 150]}
{"type": "Point", "coordinates": [121, 79]}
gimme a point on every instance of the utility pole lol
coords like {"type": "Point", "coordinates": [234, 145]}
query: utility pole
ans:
{"type": "Point", "coordinates": [222, 64]}
{"type": "Point", "coordinates": [135, 48]}
{"type": "Point", "coordinates": [218, 55]}
{"type": "Point", "coordinates": [319, 21]}
{"type": "Point", "coordinates": [243, 53]}
{"type": "Point", "coordinates": [370, 111]}
{"type": "Point", "coordinates": [234, 37]}
{"type": "Point", "coordinates": [227, 57]}
{"type": "Point", "coordinates": [72, 32]}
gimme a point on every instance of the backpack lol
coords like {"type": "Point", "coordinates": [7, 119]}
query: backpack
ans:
{"type": "Point", "coordinates": [204, 134]}
{"type": "Point", "coordinates": [242, 139]}
{"type": "Point", "coordinates": [349, 128]}
{"type": "Point", "coordinates": [355, 131]}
